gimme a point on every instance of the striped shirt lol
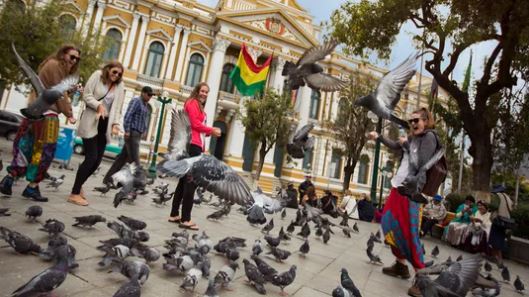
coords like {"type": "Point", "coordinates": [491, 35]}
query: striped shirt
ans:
{"type": "Point", "coordinates": [136, 116]}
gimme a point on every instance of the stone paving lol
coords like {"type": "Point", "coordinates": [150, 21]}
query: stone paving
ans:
{"type": "Point", "coordinates": [317, 274]}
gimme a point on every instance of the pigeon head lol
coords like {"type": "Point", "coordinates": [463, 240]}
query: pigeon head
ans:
{"type": "Point", "coordinates": [51, 96]}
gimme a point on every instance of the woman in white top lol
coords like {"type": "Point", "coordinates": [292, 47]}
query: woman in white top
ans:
{"type": "Point", "coordinates": [103, 96]}
{"type": "Point", "coordinates": [348, 205]}
{"type": "Point", "coordinates": [477, 233]}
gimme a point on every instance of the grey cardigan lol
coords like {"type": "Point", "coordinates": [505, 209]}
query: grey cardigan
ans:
{"type": "Point", "coordinates": [94, 90]}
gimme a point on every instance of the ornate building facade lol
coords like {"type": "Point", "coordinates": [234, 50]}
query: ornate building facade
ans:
{"type": "Point", "coordinates": [171, 45]}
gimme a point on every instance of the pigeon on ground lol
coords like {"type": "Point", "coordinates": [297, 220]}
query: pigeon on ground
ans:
{"type": "Point", "coordinates": [56, 183]}
{"type": "Point", "coordinates": [47, 280]}
{"type": "Point", "coordinates": [257, 248]}
{"type": "Point", "coordinates": [355, 228]}
{"type": "Point", "coordinates": [378, 235]}
{"type": "Point", "coordinates": [519, 285]}
{"type": "Point", "coordinates": [284, 214]}
{"type": "Point", "coordinates": [4, 212]}
{"type": "Point", "coordinates": [88, 221]}
{"type": "Point", "coordinates": [345, 220]}
{"type": "Point", "coordinates": [435, 252]}
{"type": "Point", "coordinates": [162, 198]}
{"type": "Point", "coordinates": [53, 227]}
{"type": "Point", "coordinates": [300, 142]}
{"type": "Point", "coordinates": [272, 241]}
{"type": "Point", "coordinates": [226, 274]}
{"type": "Point", "coordinates": [305, 231]}
{"type": "Point", "coordinates": [49, 253]}
{"type": "Point", "coordinates": [283, 235]}
{"type": "Point", "coordinates": [113, 253]}
{"type": "Point", "coordinates": [284, 279]}
{"type": "Point", "coordinates": [456, 280]}
{"type": "Point", "coordinates": [385, 98]}
{"type": "Point", "coordinates": [268, 227]}
{"type": "Point", "coordinates": [267, 270]}
{"type": "Point", "coordinates": [133, 223]}
{"type": "Point", "coordinates": [191, 279]}
{"type": "Point", "coordinates": [219, 213]}
{"type": "Point", "coordinates": [211, 291]}
{"type": "Point", "coordinates": [348, 283]}
{"type": "Point", "coordinates": [150, 254]}
{"type": "Point", "coordinates": [505, 274]}
{"type": "Point", "coordinates": [130, 289]}
{"type": "Point", "coordinates": [346, 232]}
{"type": "Point", "coordinates": [33, 212]}
{"type": "Point", "coordinates": [291, 227]}
{"type": "Point", "coordinates": [373, 259]}
{"type": "Point", "coordinates": [19, 242]}
{"type": "Point", "coordinates": [232, 254]}
{"type": "Point", "coordinates": [341, 292]}
{"type": "Point", "coordinates": [255, 277]}
{"type": "Point", "coordinates": [279, 254]}
{"type": "Point", "coordinates": [326, 235]}
{"type": "Point", "coordinates": [308, 71]}
{"type": "Point", "coordinates": [45, 97]}
{"type": "Point", "coordinates": [304, 248]}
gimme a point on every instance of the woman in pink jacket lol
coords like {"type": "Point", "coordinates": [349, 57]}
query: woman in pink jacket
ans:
{"type": "Point", "coordinates": [185, 191]}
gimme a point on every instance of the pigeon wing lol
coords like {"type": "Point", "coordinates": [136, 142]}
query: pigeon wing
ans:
{"type": "Point", "coordinates": [45, 281]}
{"type": "Point", "coordinates": [66, 84]}
{"type": "Point", "coordinates": [392, 84]}
{"type": "Point", "coordinates": [220, 179]}
{"type": "Point", "coordinates": [325, 82]}
{"type": "Point", "coordinates": [303, 133]}
{"type": "Point", "coordinates": [317, 53]}
{"type": "Point", "coordinates": [180, 137]}
{"type": "Point", "coordinates": [33, 77]}
{"type": "Point", "coordinates": [460, 276]}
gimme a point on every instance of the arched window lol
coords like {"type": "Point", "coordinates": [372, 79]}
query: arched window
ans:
{"type": "Point", "coordinates": [68, 24]}
{"type": "Point", "coordinates": [335, 168]}
{"type": "Point", "coordinates": [226, 84]}
{"type": "Point", "coordinates": [314, 104]}
{"type": "Point", "coordinates": [363, 169]}
{"type": "Point", "coordinates": [194, 72]}
{"type": "Point", "coordinates": [113, 38]}
{"type": "Point", "coordinates": [154, 59]}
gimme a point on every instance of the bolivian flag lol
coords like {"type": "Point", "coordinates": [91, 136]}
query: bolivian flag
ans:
{"type": "Point", "coordinates": [248, 77]}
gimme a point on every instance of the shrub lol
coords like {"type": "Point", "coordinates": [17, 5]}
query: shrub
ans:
{"type": "Point", "coordinates": [453, 200]}
{"type": "Point", "coordinates": [521, 215]}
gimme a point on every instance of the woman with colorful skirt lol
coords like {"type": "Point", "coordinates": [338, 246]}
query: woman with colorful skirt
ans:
{"type": "Point", "coordinates": [401, 216]}
{"type": "Point", "coordinates": [36, 140]}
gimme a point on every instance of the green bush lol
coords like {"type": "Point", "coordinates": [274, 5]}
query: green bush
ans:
{"type": "Point", "coordinates": [453, 200]}
{"type": "Point", "coordinates": [521, 216]}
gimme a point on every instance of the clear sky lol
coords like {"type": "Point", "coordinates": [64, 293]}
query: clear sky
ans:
{"type": "Point", "coordinates": [403, 46]}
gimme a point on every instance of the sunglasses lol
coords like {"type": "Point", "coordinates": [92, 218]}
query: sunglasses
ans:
{"type": "Point", "coordinates": [118, 73]}
{"type": "Point", "coordinates": [414, 121]}
{"type": "Point", "coordinates": [75, 58]}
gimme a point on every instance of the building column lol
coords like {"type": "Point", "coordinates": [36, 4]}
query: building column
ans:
{"type": "Point", "coordinates": [130, 40]}
{"type": "Point", "coordinates": [303, 105]}
{"type": "Point", "coordinates": [172, 56]}
{"type": "Point", "coordinates": [88, 16]}
{"type": "Point", "coordinates": [277, 77]}
{"type": "Point", "coordinates": [214, 75]}
{"type": "Point", "coordinates": [139, 45]}
{"type": "Point", "coordinates": [99, 16]}
{"type": "Point", "coordinates": [181, 57]}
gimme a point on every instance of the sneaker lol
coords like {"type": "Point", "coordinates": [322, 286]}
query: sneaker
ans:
{"type": "Point", "coordinates": [397, 270]}
{"type": "Point", "coordinates": [34, 193]}
{"type": "Point", "coordinates": [6, 185]}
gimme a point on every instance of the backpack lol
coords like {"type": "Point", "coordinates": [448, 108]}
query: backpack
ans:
{"type": "Point", "coordinates": [436, 175]}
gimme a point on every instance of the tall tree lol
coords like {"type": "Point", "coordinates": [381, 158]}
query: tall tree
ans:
{"type": "Point", "coordinates": [447, 28]}
{"type": "Point", "coordinates": [266, 122]}
{"type": "Point", "coordinates": [351, 123]}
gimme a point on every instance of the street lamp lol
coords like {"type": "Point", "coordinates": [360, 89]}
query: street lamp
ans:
{"type": "Point", "coordinates": [377, 156]}
{"type": "Point", "coordinates": [163, 99]}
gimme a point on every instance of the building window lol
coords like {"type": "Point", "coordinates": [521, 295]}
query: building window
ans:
{"type": "Point", "coordinates": [113, 38]}
{"type": "Point", "coordinates": [226, 84]}
{"type": "Point", "coordinates": [68, 24]}
{"type": "Point", "coordinates": [307, 160]}
{"type": "Point", "coordinates": [363, 169]}
{"type": "Point", "coordinates": [194, 72]}
{"type": "Point", "coordinates": [314, 104]}
{"type": "Point", "coordinates": [154, 59]}
{"type": "Point", "coordinates": [335, 168]}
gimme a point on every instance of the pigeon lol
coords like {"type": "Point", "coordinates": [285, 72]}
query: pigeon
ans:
{"type": "Point", "coordinates": [341, 292]}
{"type": "Point", "coordinates": [130, 177]}
{"type": "Point", "coordinates": [283, 235]}
{"type": "Point", "coordinates": [150, 254]}
{"type": "Point", "coordinates": [304, 248]}
{"type": "Point", "coordinates": [268, 227]}
{"type": "Point", "coordinates": [486, 292]}
{"type": "Point", "coordinates": [326, 235]}
{"type": "Point", "coordinates": [33, 212]}
{"type": "Point", "coordinates": [257, 249]}
{"type": "Point", "coordinates": [291, 227]}
{"type": "Point", "coordinates": [267, 270]}
{"type": "Point", "coordinates": [53, 227]}
{"type": "Point", "coordinates": [459, 258]}
{"type": "Point", "coordinates": [487, 266]}
{"type": "Point", "coordinates": [305, 231]}
{"type": "Point", "coordinates": [133, 223]}
{"type": "Point", "coordinates": [355, 228]}
{"type": "Point", "coordinates": [308, 71]}
{"type": "Point", "coordinates": [180, 136]}
{"type": "Point", "coordinates": [435, 252]}
{"type": "Point", "coordinates": [255, 277]}
{"type": "Point", "coordinates": [505, 274]}
{"type": "Point", "coordinates": [374, 259]}
{"type": "Point", "coordinates": [345, 220]}
{"type": "Point", "coordinates": [56, 183]}
{"type": "Point", "coordinates": [226, 274]}
{"type": "Point", "coordinates": [300, 142]}
{"type": "Point", "coordinates": [4, 212]}
{"type": "Point", "coordinates": [130, 289]}
{"type": "Point", "coordinates": [518, 285]}
{"type": "Point", "coordinates": [346, 232]}
{"type": "Point", "coordinates": [113, 253]}
{"type": "Point", "coordinates": [162, 198]}
{"type": "Point", "coordinates": [45, 97]}
{"type": "Point", "coordinates": [378, 235]}
{"type": "Point", "coordinates": [218, 214]}
{"type": "Point", "coordinates": [211, 291]}
{"type": "Point", "coordinates": [256, 215]}
{"type": "Point", "coordinates": [103, 190]}
{"type": "Point", "coordinates": [454, 280]}
{"type": "Point", "coordinates": [191, 279]}
{"type": "Point", "coordinates": [232, 254]}
{"type": "Point", "coordinates": [20, 243]}
{"type": "Point", "coordinates": [284, 279]}
{"type": "Point", "coordinates": [319, 231]}
{"type": "Point", "coordinates": [279, 254]}
{"type": "Point", "coordinates": [47, 280]}
{"type": "Point", "coordinates": [284, 214]}
{"type": "Point", "coordinates": [385, 98]}
{"type": "Point", "coordinates": [348, 283]}
{"type": "Point", "coordinates": [88, 221]}
{"type": "Point", "coordinates": [272, 241]}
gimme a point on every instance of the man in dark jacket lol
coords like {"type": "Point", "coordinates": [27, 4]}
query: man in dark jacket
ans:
{"type": "Point", "coordinates": [366, 210]}
{"type": "Point", "coordinates": [292, 195]}
{"type": "Point", "coordinates": [328, 203]}
{"type": "Point", "coordinates": [305, 185]}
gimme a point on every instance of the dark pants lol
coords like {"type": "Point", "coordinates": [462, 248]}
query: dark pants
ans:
{"type": "Point", "coordinates": [185, 191]}
{"type": "Point", "coordinates": [130, 153]}
{"type": "Point", "coordinates": [94, 148]}
{"type": "Point", "coordinates": [427, 225]}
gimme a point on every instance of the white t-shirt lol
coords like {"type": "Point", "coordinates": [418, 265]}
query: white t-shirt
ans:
{"type": "Point", "coordinates": [350, 206]}
{"type": "Point", "coordinates": [402, 172]}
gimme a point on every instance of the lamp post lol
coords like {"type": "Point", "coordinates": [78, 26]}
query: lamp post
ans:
{"type": "Point", "coordinates": [385, 172]}
{"type": "Point", "coordinates": [376, 161]}
{"type": "Point", "coordinates": [163, 100]}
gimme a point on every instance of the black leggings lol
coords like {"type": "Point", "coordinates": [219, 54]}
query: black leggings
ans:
{"type": "Point", "coordinates": [94, 148]}
{"type": "Point", "coordinates": [185, 191]}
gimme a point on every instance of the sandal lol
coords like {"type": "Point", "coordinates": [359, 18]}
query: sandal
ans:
{"type": "Point", "coordinates": [176, 221]}
{"type": "Point", "coordinates": [77, 199]}
{"type": "Point", "coordinates": [188, 226]}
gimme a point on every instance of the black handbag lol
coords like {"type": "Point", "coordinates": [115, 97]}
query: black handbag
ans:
{"type": "Point", "coordinates": [504, 222]}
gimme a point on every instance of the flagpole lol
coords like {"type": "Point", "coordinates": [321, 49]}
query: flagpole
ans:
{"type": "Point", "coordinates": [268, 74]}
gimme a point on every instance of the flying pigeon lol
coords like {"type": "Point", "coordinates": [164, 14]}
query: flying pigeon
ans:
{"type": "Point", "coordinates": [88, 221]}
{"type": "Point", "coordinates": [180, 136]}
{"type": "Point", "coordinates": [33, 212]}
{"type": "Point", "coordinates": [300, 142]}
{"type": "Point", "coordinates": [385, 98]}
{"type": "Point", "coordinates": [284, 279]}
{"type": "Point", "coordinates": [45, 97]}
{"type": "Point", "coordinates": [307, 71]}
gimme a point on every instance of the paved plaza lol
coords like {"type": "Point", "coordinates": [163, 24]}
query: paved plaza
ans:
{"type": "Point", "coordinates": [317, 274]}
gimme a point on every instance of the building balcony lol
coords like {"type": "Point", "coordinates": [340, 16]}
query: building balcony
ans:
{"type": "Point", "coordinates": [149, 80]}
{"type": "Point", "coordinates": [228, 100]}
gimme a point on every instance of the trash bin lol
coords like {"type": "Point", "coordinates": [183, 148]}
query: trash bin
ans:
{"type": "Point", "coordinates": [65, 142]}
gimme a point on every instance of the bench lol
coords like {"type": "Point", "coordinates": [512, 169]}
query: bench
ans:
{"type": "Point", "coordinates": [437, 230]}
